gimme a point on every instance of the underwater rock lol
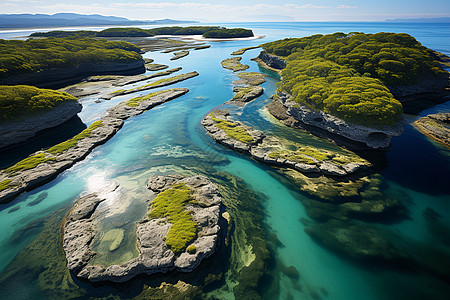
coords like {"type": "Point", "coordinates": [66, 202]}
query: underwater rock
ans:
{"type": "Point", "coordinates": [356, 241]}
{"type": "Point", "coordinates": [155, 255]}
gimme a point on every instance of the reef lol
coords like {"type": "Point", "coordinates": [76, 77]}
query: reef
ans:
{"type": "Point", "coordinates": [178, 203]}
{"type": "Point", "coordinates": [277, 151]}
{"type": "Point", "coordinates": [179, 54]}
{"type": "Point", "coordinates": [42, 166]}
{"type": "Point", "coordinates": [436, 126]}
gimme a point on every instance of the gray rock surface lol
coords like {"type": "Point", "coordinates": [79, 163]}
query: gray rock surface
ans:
{"type": "Point", "coordinates": [246, 94]}
{"type": "Point", "coordinates": [436, 126]}
{"type": "Point", "coordinates": [18, 131]}
{"type": "Point", "coordinates": [154, 255]}
{"type": "Point", "coordinates": [111, 123]}
{"type": "Point", "coordinates": [295, 115]}
{"type": "Point", "coordinates": [272, 60]}
{"type": "Point", "coordinates": [263, 145]}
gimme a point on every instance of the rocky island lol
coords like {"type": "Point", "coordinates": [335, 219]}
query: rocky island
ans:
{"type": "Point", "coordinates": [332, 88]}
{"type": "Point", "coordinates": [181, 228]}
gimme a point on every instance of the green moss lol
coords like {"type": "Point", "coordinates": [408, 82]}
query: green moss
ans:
{"type": "Point", "coordinates": [133, 102]}
{"type": "Point", "coordinates": [307, 155]}
{"type": "Point", "coordinates": [61, 147]}
{"type": "Point", "coordinates": [29, 163]}
{"type": "Point", "coordinates": [24, 101]}
{"type": "Point", "coordinates": [171, 204]}
{"type": "Point", "coordinates": [233, 130]}
{"type": "Point", "coordinates": [191, 249]}
{"type": "Point", "coordinates": [118, 91]}
{"type": "Point", "coordinates": [234, 64]}
{"type": "Point", "coordinates": [242, 92]}
{"type": "Point", "coordinates": [5, 184]}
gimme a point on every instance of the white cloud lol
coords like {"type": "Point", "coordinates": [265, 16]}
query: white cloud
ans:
{"type": "Point", "coordinates": [345, 6]}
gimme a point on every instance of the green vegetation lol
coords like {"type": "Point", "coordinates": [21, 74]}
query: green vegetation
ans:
{"type": "Point", "coordinates": [233, 130]}
{"type": "Point", "coordinates": [29, 163]}
{"type": "Point", "coordinates": [243, 50]}
{"type": "Point", "coordinates": [124, 32]}
{"type": "Point", "coordinates": [228, 33]}
{"type": "Point", "coordinates": [242, 92]}
{"type": "Point", "coordinates": [191, 249]}
{"type": "Point", "coordinates": [346, 74]}
{"type": "Point", "coordinates": [61, 147]}
{"type": "Point", "coordinates": [133, 102]}
{"type": "Point", "coordinates": [312, 156]}
{"type": "Point", "coordinates": [171, 204]}
{"type": "Point", "coordinates": [234, 64]}
{"type": "Point", "coordinates": [23, 100]}
{"type": "Point", "coordinates": [129, 32]}
{"type": "Point", "coordinates": [5, 184]}
{"type": "Point", "coordinates": [34, 55]}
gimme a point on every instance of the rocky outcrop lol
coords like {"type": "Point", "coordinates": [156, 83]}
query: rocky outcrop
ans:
{"type": "Point", "coordinates": [16, 182]}
{"type": "Point", "coordinates": [431, 86]}
{"type": "Point", "coordinates": [436, 126]}
{"type": "Point", "coordinates": [271, 150]}
{"type": "Point", "coordinates": [246, 94]}
{"type": "Point", "coordinates": [46, 78]}
{"type": "Point", "coordinates": [297, 116]}
{"type": "Point", "coordinates": [272, 61]}
{"type": "Point", "coordinates": [13, 132]}
{"type": "Point", "coordinates": [154, 255]}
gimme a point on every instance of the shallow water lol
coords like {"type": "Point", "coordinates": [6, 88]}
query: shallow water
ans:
{"type": "Point", "coordinates": [415, 171]}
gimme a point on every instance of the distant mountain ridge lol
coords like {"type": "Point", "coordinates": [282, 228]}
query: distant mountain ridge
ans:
{"type": "Point", "coordinates": [72, 19]}
{"type": "Point", "coordinates": [422, 20]}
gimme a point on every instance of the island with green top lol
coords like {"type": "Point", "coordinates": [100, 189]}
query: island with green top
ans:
{"type": "Point", "coordinates": [351, 85]}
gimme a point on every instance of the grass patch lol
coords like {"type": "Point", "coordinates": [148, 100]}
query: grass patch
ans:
{"type": "Point", "coordinates": [191, 249]}
{"type": "Point", "coordinates": [233, 130]}
{"type": "Point", "coordinates": [118, 91]}
{"type": "Point", "coordinates": [5, 184]}
{"type": "Point", "coordinates": [171, 204]}
{"type": "Point", "coordinates": [137, 100]}
{"type": "Point", "coordinates": [29, 163]}
{"type": "Point", "coordinates": [61, 147]}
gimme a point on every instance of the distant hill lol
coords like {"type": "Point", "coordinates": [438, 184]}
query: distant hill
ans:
{"type": "Point", "coordinates": [421, 20]}
{"type": "Point", "coordinates": [72, 19]}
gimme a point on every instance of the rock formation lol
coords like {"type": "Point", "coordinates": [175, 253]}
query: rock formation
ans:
{"type": "Point", "coordinates": [154, 254]}
{"type": "Point", "coordinates": [13, 132]}
{"type": "Point", "coordinates": [316, 122]}
{"type": "Point", "coordinates": [436, 126]}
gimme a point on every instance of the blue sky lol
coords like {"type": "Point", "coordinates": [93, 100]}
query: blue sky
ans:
{"type": "Point", "coordinates": [240, 10]}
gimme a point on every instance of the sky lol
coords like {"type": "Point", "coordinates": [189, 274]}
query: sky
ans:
{"type": "Point", "coordinates": [239, 10]}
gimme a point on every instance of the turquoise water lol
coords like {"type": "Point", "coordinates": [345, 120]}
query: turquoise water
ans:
{"type": "Point", "coordinates": [415, 170]}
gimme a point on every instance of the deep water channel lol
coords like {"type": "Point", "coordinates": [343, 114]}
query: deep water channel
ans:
{"type": "Point", "coordinates": [170, 138]}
